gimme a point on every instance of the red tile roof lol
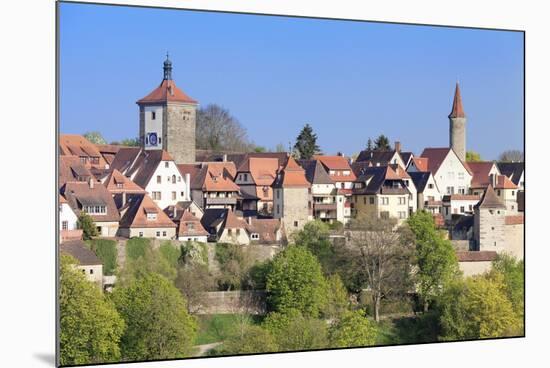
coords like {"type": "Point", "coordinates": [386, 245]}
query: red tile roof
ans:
{"type": "Point", "coordinates": [476, 256]}
{"type": "Point", "coordinates": [292, 175]}
{"type": "Point", "coordinates": [503, 182]}
{"type": "Point", "coordinates": [421, 163]}
{"type": "Point", "coordinates": [77, 145]}
{"type": "Point", "coordinates": [457, 110]}
{"type": "Point", "coordinates": [490, 199]}
{"type": "Point", "coordinates": [234, 222]}
{"type": "Point", "coordinates": [262, 170]}
{"type": "Point", "coordinates": [166, 92]}
{"type": "Point", "coordinates": [436, 156]}
{"type": "Point", "coordinates": [337, 164]}
{"type": "Point", "coordinates": [190, 225]}
{"type": "Point", "coordinates": [135, 214]}
{"type": "Point", "coordinates": [118, 183]}
{"type": "Point", "coordinates": [480, 171]}
{"type": "Point", "coordinates": [514, 220]}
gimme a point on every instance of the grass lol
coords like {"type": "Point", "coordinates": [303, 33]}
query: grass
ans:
{"type": "Point", "coordinates": [136, 247]}
{"type": "Point", "coordinates": [219, 327]}
{"type": "Point", "coordinates": [106, 251]}
{"type": "Point", "coordinates": [407, 330]}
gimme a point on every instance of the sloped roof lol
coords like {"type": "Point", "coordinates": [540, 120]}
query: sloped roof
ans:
{"type": "Point", "coordinates": [490, 199]}
{"type": "Point", "coordinates": [167, 91]}
{"type": "Point", "coordinates": [266, 228]}
{"type": "Point", "coordinates": [480, 171]}
{"type": "Point", "coordinates": [80, 194]}
{"type": "Point", "coordinates": [190, 225]}
{"type": "Point", "coordinates": [77, 145]}
{"type": "Point", "coordinates": [142, 163]}
{"type": "Point", "coordinates": [421, 163]}
{"type": "Point", "coordinates": [315, 172]}
{"type": "Point", "coordinates": [406, 157]}
{"type": "Point", "coordinates": [504, 183]}
{"type": "Point", "coordinates": [436, 156]}
{"type": "Point", "coordinates": [376, 176]}
{"type": "Point", "coordinates": [291, 176]}
{"type": "Point", "coordinates": [262, 169]}
{"type": "Point", "coordinates": [476, 256]}
{"type": "Point", "coordinates": [376, 157]}
{"type": "Point", "coordinates": [337, 164]}
{"type": "Point", "coordinates": [135, 213]}
{"type": "Point", "coordinates": [420, 179]}
{"type": "Point", "coordinates": [215, 177]}
{"type": "Point", "coordinates": [234, 222]}
{"type": "Point", "coordinates": [514, 219]}
{"type": "Point", "coordinates": [176, 211]}
{"type": "Point", "coordinates": [457, 110]}
{"type": "Point", "coordinates": [116, 179]}
{"type": "Point", "coordinates": [513, 170]}
{"type": "Point", "coordinates": [71, 169]}
{"type": "Point", "coordinates": [79, 250]}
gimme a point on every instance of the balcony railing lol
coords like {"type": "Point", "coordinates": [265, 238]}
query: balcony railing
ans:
{"type": "Point", "coordinates": [221, 200]}
{"type": "Point", "coordinates": [324, 206]}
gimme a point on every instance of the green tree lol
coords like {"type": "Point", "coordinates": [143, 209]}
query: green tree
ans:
{"type": "Point", "coordinates": [337, 298]}
{"type": "Point", "coordinates": [472, 156]}
{"type": "Point", "coordinates": [254, 339]}
{"type": "Point", "coordinates": [512, 271]}
{"type": "Point", "coordinates": [370, 145]}
{"type": "Point", "coordinates": [86, 223]}
{"type": "Point", "coordinates": [260, 149]}
{"type": "Point", "coordinates": [130, 142]}
{"type": "Point", "coordinates": [295, 281]}
{"type": "Point", "coordinates": [90, 326]}
{"type": "Point", "coordinates": [95, 137]}
{"type": "Point", "coordinates": [382, 143]}
{"type": "Point", "coordinates": [192, 280]}
{"type": "Point", "coordinates": [106, 251]}
{"type": "Point", "coordinates": [158, 324]}
{"type": "Point", "coordinates": [294, 331]}
{"type": "Point", "coordinates": [170, 253]}
{"type": "Point", "coordinates": [142, 260]}
{"type": "Point", "coordinates": [353, 329]}
{"type": "Point", "coordinates": [477, 308]}
{"type": "Point", "coordinates": [435, 257]}
{"type": "Point", "coordinates": [315, 237]}
{"type": "Point", "coordinates": [306, 143]}
{"type": "Point", "coordinates": [234, 263]}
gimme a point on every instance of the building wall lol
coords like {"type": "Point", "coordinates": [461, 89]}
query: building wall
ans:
{"type": "Point", "coordinates": [454, 207]}
{"type": "Point", "coordinates": [235, 236]}
{"type": "Point", "coordinates": [457, 136]}
{"type": "Point", "coordinates": [200, 239]}
{"type": "Point", "coordinates": [452, 174]}
{"type": "Point", "coordinates": [474, 268]}
{"type": "Point", "coordinates": [148, 233]}
{"type": "Point", "coordinates": [150, 125]}
{"type": "Point", "coordinates": [293, 206]}
{"type": "Point", "coordinates": [489, 229]}
{"type": "Point", "coordinates": [66, 214]}
{"type": "Point", "coordinates": [179, 139]}
{"type": "Point", "coordinates": [413, 205]}
{"type": "Point", "coordinates": [94, 273]}
{"type": "Point", "coordinates": [364, 207]}
{"type": "Point", "coordinates": [514, 240]}
{"type": "Point", "coordinates": [107, 229]}
{"type": "Point", "coordinates": [166, 187]}
{"type": "Point", "coordinates": [509, 198]}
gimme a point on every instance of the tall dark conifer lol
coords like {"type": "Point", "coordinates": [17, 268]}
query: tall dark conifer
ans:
{"type": "Point", "coordinates": [306, 143]}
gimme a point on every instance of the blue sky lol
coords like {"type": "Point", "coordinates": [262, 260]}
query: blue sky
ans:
{"type": "Point", "coordinates": [349, 80]}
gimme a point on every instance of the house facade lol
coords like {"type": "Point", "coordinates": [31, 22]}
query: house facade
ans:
{"type": "Point", "coordinates": [450, 173]}
{"type": "Point", "coordinates": [143, 218]}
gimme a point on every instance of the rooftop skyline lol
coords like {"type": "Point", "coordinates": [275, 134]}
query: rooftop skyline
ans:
{"type": "Point", "coordinates": [349, 80]}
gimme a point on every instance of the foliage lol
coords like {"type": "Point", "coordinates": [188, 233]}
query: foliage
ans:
{"type": "Point", "coordinates": [435, 257]}
{"type": "Point", "coordinates": [370, 145]}
{"type": "Point", "coordinates": [294, 331]}
{"type": "Point", "coordinates": [193, 252]}
{"type": "Point", "coordinates": [511, 156]}
{"type": "Point", "coordinates": [256, 276]}
{"type": "Point", "coordinates": [382, 143]}
{"type": "Point", "coordinates": [158, 324]}
{"type": "Point", "coordinates": [352, 329]}
{"type": "Point", "coordinates": [295, 281]}
{"type": "Point", "coordinates": [472, 156]}
{"type": "Point", "coordinates": [337, 298]}
{"type": "Point", "coordinates": [254, 339]}
{"type": "Point", "coordinates": [233, 265]}
{"type": "Point", "coordinates": [336, 226]}
{"type": "Point", "coordinates": [475, 308]}
{"type": "Point", "coordinates": [218, 130]}
{"type": "Point", "coordinates": [130, 142]}
{"type": "Point", "coordinates": [260, 149]}
{"type": "Point", "coordinates": [136, 247]}
{"type": "Point", "coordinates": [106, 250]}
{"type": "Point", "coordinates": [95, 137]}
{"type": "Point", "coordinates": [90, 327]}
{"type": "Point", "coordinates": [378, 257]}
{"type": "Point", "coordinates": [306, 143]}
{"type": "Point", "coordinates": [192, 280]}
{"type": "Point", "coordinates": [315, 237]}
{"type": "Point", "coordinates": [86, 223]}
{"type": "Point", "coordinates": [513, 274]}
{"type": "Point", "coordinates": [170, 253]}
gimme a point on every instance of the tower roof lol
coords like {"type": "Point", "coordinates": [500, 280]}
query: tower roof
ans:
{"type": "Point", "coordinates": [457, 110]}
{"type": "Point", "coordinates": [490, 199]}
{"type": "Point", "coordinates": [167, 91]}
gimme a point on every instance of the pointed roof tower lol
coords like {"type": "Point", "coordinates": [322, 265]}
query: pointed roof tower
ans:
{"type": "Point", "coordinates": [490, 199]}
{"type": "Point", "coordinates": [458, 109]}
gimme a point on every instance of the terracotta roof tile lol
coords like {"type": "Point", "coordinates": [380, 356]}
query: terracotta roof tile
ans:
{"type": "Point", "coordinates": [480, 171]}
{"type": "Point", "coordinates": [190, 225]}
{"type": "Point", "coordinates": [490, 199]}
{"type": "Point", "coordinates": [135, 213]}
{"type": "Point", "coordinates": [79, 250]}
{"type": "Point", "coordinates": [167, 91]}
{"type": "Point", "coordinates": [118, 183]}
{"type": "Point", "coordinates": [476, 256]}
{"type": "Point", "coordinates": [292, 175]}
{"type": "Point", "coordinates": [421, 163]}
{"type": "Point", "coordinates": [79, 194]}
{"type": "Point", "coordinates": [514, 220]}
{"type": "Point", "coordinates": [458, 110]}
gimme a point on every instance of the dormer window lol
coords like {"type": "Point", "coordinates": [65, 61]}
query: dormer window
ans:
{"type": "Point", "coordinates": [95, 210]}
{"type": "Point", "coordinates": [151, 216]}
{"type": "Point", "coordinates": [119, 185]}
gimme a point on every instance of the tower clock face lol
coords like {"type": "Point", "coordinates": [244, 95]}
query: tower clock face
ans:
{"type": "Point", "coordinates": [153, 141]}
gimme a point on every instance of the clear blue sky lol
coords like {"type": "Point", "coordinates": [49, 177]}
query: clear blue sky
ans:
{"type": "Point", "coordinates": [349, 80]}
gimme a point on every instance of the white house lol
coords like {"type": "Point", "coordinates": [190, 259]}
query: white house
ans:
{"type": "Point", "coordinates": [67, 217]}
{"type": "Point", "coordinates": [450, 173]}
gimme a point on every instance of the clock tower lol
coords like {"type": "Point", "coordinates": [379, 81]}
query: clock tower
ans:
{"type": "Point", "coordinates": [167, 119]}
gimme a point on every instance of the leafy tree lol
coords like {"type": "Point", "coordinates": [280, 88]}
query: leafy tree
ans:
{"type": "Point", "coordinates": [234, 263]}
{"type": "Point", "coordinates": [353, 329]}
{"type": "Point", "coordinates": [192, 280]}
{"type": "Point", "coordinates": [435, 257]}
{"type": "Point", "coordinates": [86, 223]}
{"type": "Point", "coordinates": [256, 277]}
{"type": "Point", "coordinates": [106, 251]}
{"type": "Point", "coordinates": [295, 281]}
{"type": "Point", "coordinates": [337, 298]}
{"type": "Point", "coordinates": [260, 149]}
{"type": "Point", "coordinates": [306, 143]}
{"type": "Point", "coordinates": [377, 257]}
{"type": "Point", "coordinates": [130, 142]}
{"type": "Point", "coordinates": [218, 130]}
{"type": "Point", "coordinates": [170, 253]}
{"type": "Point", "coordinates": [294, 331]}
{"type": "Point", "coordinates": [511, 156]}
{"type": "Point", "coordinates": [512, 271]}
{"type": "Point", "coordinates": [477, 308]}
{"type": "Point", "coordinates": [95, 137]}
{"type": "Point", "coordinates": [90, 327]}
{"type": "Point", "coordinates": [158, 324]}
{"type": "Point", "coordinates": [315, 237]}
{"type": "Point", "coordinates": [142, 260]}
{"type": "Point", "coordinates": [370, 145]}
{"type": "Point", "coordinates": [472, 156]}
{"type": "Point", "coordinates": [254, 339]}
{"type": "Point", "coordinates": [382, 143]}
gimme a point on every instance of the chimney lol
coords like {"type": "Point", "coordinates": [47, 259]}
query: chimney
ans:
{"type": "Point", "coordinates": [225, 157]}
{"type": "Point", "coordinates": [398, 146]}
{"type": "Point", "coordinates": [249, 220]}
{"type": "Point", "coordinates": [91, 183]}
{"type": "Point", "coordinates": [494, 180]}
{"type": "Point", "coordinates": [123, 199]}
{"type": "Point", "coordinates": [175, 212]}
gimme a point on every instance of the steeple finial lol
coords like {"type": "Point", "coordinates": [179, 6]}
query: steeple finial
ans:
{"type": "Point", "coordinates": [167, 68]}
{"type": "Point", "coordinates": [457, 110]}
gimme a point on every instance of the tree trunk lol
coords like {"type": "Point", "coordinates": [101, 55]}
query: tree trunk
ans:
{"type": "Point", "coordinates": [426, 305]}
{"type": "Point", "coordinates": [377, 308]}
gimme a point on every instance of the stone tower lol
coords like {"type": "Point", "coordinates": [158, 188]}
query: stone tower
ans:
{"type": "Point", "coordinates": [167, 119]}
{"type": "Point", "coordinates": [457, 128]}
{"type": "Point", "coordinates": [489, 222]}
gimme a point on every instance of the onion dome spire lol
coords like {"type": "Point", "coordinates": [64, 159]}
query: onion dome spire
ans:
{"type": "Point", "coordinates": [167, 68]}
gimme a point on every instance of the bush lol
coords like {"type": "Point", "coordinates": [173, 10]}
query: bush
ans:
{"type": "Point", "coordinates": [353, 329]}
{"type": "Point", "coordinates": [170, 252]}
{"type": "Point", "coordinates": [107, 252]}
{"type": "Point", "coordinates": [233, 265]}
{"type": "Point", "coordinates": [294, 331]}
{"type": "Point", "coordinates": [136, 247]}
{"type": "Point", "coordinates": [86, 223]}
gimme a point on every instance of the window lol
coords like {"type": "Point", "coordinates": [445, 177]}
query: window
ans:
{"type": "Point", "coordinates": [371, 200]}
{"type": "Point", "coordinates": [402, 214]}
{"type": "Point", "coordinates": [295, 223]}
{"type": "Point", "coordinates": [153, 115]}
{"type": "Point", "coordinates": [342, 185]}
{"type": "Point", "coordinates": [173, 179]}
{"type": "Point", "coordinates": [384, 214]}
{"type": "Point", "coordinates": [95, 210]}
{"type": "Point", "coordinates": [159, 140]}
{"type": "Point", "coordinates": [166, 164]}
{"type": "Point", "coordinates": [461, 209]}
{"type": "Point", "coordinates": [229, 232]}
{"type": "Point", "coordinates": [190, 226]}
{"type": "Point", "coordinates": [182, 194]}
{"type": "Point", "coordinates": [158, 233]}
{"type": "Point", "coordinates": [141, 234]}
{"type": "Point", "coordinates": [450, 190]}
{"type": "Point", "coordinates": [277, 196]}
{"type": "Point", "coordinates": [461, 190]}
{"type": "Point", "coordinates": [179, 178]}
{"type": "Point", "coordinates": [471, 208]}
{"type": "Point", "coordinates": [498, 192]}
{"type": "Point", "coordinates": [513, 193]}
{"type": "Point", "coordinates": [151, 216]}
{"type": "Point", "coordinates": [245, 177]}
{"type": "Point", "coordinates": [156, 196]}
{"type": "Point", "coordinates": [65, 225]}
{"type": "Point", "coordinates": [430, 186]}
{"type": "Point", "coordinates": [364, 200]}
{"type": "Point", "coordinates": [238, 231]}
{"type": "Point", "coordinates": [402, 200]}
{"type": "Point", "coordinates": [461, 176]}
{"type": "Point", "coordinates": [255, 236]}
{"type": "Point", "coordinates": [91, 271]}
{"type": "Point", "coordinates": [164, 233]}
{"type": "Point", "coordinates": [278, 209]}
{"type": "Point", "coordinates": [384, 200]}
{"type": "Point", "coordinates": [159, 179]}
{"type": "Point", "coordinates": [119, 185]}
{"type": "Point", "coordinates": [173, 195]}
{"type": "Point", "coordinates": [146, 140]}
